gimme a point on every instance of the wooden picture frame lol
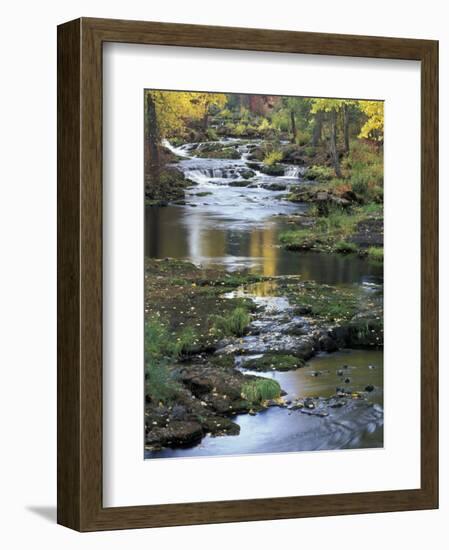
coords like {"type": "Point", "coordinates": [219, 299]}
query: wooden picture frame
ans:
{"type": "Point", "coordinates": [80, 504]}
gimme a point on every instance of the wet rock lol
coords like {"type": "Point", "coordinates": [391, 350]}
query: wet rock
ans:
{"type": "Point", "coordinates": [274, 186]}
{"type": "Point", "coordinates": [271, 343]}
{"type": "Point", "coordinates": [336, 402]}
{"type": "Point", "coordinates": [369, 388]}
{"type": "Point", "coordinates": [278, 362]}
{"type": "Point", "coordinates": [197, 385]}
{"type": "Point", "coordinates": [248, 174]}
{"type": "Point", "coordinates": [296, 406]}
{"type": "Point", "coordinates": [323, 199]}
{"type": "Point", "coordinates": [303, 310]}
{"type": "Point", "coordinates": [365, 330]}
{"type": "Point", "coordinates": [296, 327]}
{"type": "Point", "coordinates": [369, 233]}
{"type": "Point", "coordinates": [177, 434]}
{"type": "Point", "coordinates": [224, 406]}
{"type": "Point", "coordinates": [172, 187]}
{"type": "Point", "coordinates": [239, 183]}
{"type": "Point", "coordinates": [179, 412]}
{"type": "Point", "coordinates": [221, 426]}
{"type": "Point", "coordinates": [274, 170]}
{"type": "Point", "coordinates": [327, 343]}
{"type": "Point", "coordinates": [275, 403]}
{"type": "Point", "coordinates": [293, 154]}
{"type": "Point", "coordinates": [312, 412]}
{"type": "Point", "coordinates": [253, 165]}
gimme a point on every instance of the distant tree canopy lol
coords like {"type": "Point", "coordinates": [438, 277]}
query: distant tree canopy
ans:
{"type": "Point", "coordinates": [167, 114]}
{"type": "Point", "coordinates": [350, 110]}
{"type": "Point", "coordinates": [310, 122]}
{"type": "Point", "coordinates": [171, 110]}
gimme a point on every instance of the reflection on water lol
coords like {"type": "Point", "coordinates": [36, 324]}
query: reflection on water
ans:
{"type": "Point", "coordinates": [362, 368]}
{"type": "Point", "coordinates": [204, 237]}
{"type": "Point", "coordinates": [238, 228]}
{"type": "Point", "coordinates": [356, 426]}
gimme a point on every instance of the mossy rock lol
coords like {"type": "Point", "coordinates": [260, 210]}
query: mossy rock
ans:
{"type": "Point", "coordinates": [273, 170]}
{"type": "Point", "coordinates": [171, 187]}
{"type": "Point", "coordinates": [218, 151]}
{"type": "Point", "coordinates": [202, 194]}
{"type": "Point", "coordinates": [239, 183]}
{"type": "Point", "coordinates": [253, 165]}
{"type": "Point", "coordinates": [274, 186]}
{"type": "Point", "coordinates": [248, 174]}
{"type": "Point", "coordinates": [267, 362]}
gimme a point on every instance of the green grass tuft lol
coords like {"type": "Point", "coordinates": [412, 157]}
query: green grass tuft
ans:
{"type": "Point", "coordinates": [375, 253]}
{"type": "Point", "coordinates": [162, 349]}
{"type": "Point", "coordinates": [345, 247]}
{"type": "Point", "coordinates": [184, 342]}
{"type": "Point", "coordinates": [232, 324]}
{"type": "Point", "coordinates": [261, 389]}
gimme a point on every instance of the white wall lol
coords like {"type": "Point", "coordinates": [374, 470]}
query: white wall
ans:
{"type": "Point", "coordinates": [28, 274]}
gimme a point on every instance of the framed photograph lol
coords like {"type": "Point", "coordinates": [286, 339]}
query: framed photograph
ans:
{"type": "Point", "coordinates": [247, 288]}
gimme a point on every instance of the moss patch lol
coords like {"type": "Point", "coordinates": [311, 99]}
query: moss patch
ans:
{"type": "Point", "coordinates": [217, 150]}
{"type": "Point", "coordinates": [267, 362]}
{"type": "Point", "coordinates": [375, 254]}
{"type": "Point", "coordinates": [337, 231]}
{"type": "Point", "coordinates": [179, 295]}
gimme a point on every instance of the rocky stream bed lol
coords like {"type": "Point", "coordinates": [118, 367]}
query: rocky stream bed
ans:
{"type": "Point", "coordinates": [315, 321]}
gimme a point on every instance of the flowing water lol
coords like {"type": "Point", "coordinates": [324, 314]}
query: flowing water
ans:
{"type": "Point", "coordinates": [277, 429]}
{"type": "Point", "coordinates": [238, 228]}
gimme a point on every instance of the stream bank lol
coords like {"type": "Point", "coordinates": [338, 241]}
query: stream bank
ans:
{"type": "Point", "coordinates": [242, 311]}
{"type": "Point", "coordinates": [224, 366]}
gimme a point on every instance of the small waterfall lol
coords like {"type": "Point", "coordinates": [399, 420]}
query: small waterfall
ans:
{"type": "Point", "coordinates": [203, 174]}
{"type": "Point", "coordinates": [294, 171]}
{"type": "Point", "coordinates": [244, 152]}
{"type": "Point", "coordinates": [182, 151]}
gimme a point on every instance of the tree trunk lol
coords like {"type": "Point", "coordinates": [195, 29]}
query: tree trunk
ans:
{"type": "Point", "coordinates": [293, 121]}
{"type": "Point", "coordinates": [316, 135]}
{"type": "Point", "coordinates": [153, 161]}
{"type": "Point", "coordinates": [205, 122]}
{"type": "Point", "coordinates": [333, 143]}
{"type": "Point", "coordinates": [346, 126]}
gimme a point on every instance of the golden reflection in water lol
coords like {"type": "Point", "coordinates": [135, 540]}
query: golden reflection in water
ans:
{"type": "Point", "coordinates": [263, 289]}
{"type": "Point", "coordinates": [262, 246]}
{"type": "Point", "coordinates": [213, 244]}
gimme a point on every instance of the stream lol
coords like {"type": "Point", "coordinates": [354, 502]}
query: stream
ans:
{"type": "Point", "coordinates": [237, 228]}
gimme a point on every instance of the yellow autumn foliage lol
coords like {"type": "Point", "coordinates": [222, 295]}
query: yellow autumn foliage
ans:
{"type": "Point", "coordinates": [327, 105]}
{"type": "Point", "coordinates": [173, 109]}
{"type": "Point", "coordinates": [374, 126]}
